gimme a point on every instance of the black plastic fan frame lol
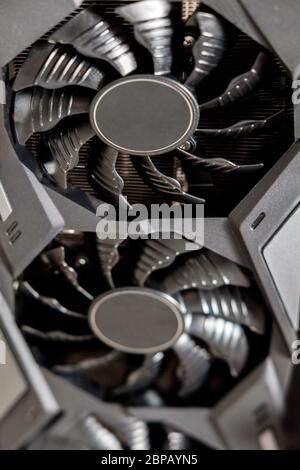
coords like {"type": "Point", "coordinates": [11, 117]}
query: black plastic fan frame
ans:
{"type": "Point", "coordinates": [55, 86]}
{"type": "Point", "coordinates": [258, 221]}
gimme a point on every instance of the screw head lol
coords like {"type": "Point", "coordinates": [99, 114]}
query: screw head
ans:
{"type": "Point", "coordinates": [189, 40]}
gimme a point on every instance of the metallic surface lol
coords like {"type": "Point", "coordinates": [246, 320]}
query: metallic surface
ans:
{"type": "Point", "coordinates": [208, 50]}
{"type": "Point", "coordinates": [40, 110]}
{"type": "Point", "coordinates": [257, 403]}
{"type": "Point", "coordinates": [153, 29]}
{"type": "Point", "coordinates": [135, 320]}
{"type": "Point", "coordinates": [54, 67]}
{"type": "Point", "coordinates": [155, 115]}
{"type": "Point", "coordinates": [93, 37]}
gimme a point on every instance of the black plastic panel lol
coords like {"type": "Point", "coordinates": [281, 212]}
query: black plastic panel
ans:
{"type": "Point", "coordinates": [31, 406]}
{"type": "Point", "coordinates": [29, 220]}
{"type": "Point", "coordinates": [22, 25]}
{"type": "Point", "coordinates": [261, 215]}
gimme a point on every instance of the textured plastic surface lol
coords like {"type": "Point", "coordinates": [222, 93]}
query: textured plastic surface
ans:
{"type": "Point", "coordinates": [284, 265]}
{"type": "Point", "coordinates": [233, 11]}
{"type": "Point", "coordinates": [259, 216]}
{"type": "Point", "coordinates": [236, 422]}
{"type": "Point", "coordinates": [21, 238]}
{"type": "Point", "coordinates": [279, 23]}
{"type": "Point", "coordinates": [17, 426]}
{"type": "Point", "coordinates": [21, 26]}
{"type": "Point", "coordinates": [272, 23]}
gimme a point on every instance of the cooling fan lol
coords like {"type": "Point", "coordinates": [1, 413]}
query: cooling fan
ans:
{"type": "Point", "coordinates": [122, 432]}
{"type": "Point", "coordinates": [180, 312]}
{"type": "Point", "coordinates": [119, 432]}
{"type": "Point", "coordinates": [151, 343]}
{"type": "Point", "coordinates": [67, 90]}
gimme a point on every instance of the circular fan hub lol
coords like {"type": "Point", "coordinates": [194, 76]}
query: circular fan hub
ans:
{"type": "Point", "coordinates": [136, 320]}
{"type": "Point", "coordinates": [144, 115]}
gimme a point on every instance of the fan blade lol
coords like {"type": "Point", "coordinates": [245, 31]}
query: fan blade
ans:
{"type": "Point", "coordinates": [39, 110]}
{"type": "Point", "coordinates": [205, 270]}
{"type": "Point", "coordinates": [142, 377]}
{"type": "Point", "coordinates": [50, 302]}
{"type": "Point", "coordinates": [229, 303]}
{"type": "Point", "coordinates": [64, 146]}
{"type": "Point", "coordinates": [153, 30]}
{"type": "Point", "coordinates": [55, 336]}
{"type": "Point", "coordinates": [217, 165]}
{"type": "Point", "coordinates": [241, 86]}
{"type": "Point", "coordinates": [176, 441]}
{"type": "Point", "coordinates": [90, 35]}
{"type": "Point", "coordinates": [108, 255]}
{"type": "Point", "coordinates": [194, 364]}
{"type": "Point", "coordinates": [98, 436]}
{"type": "Point", "coordinates": [158, 254]}
{"type": "Point", "coordinates": [208, 50]}
{"type": "Point", "coordinates": [245, 128]}
{"type": "Point", "coordinates": [107, 181]}
{"type": "Point", "coordinates": [133, 432]}
{"type": "Point", "coordinates": [53, 67]}
{"type": "Point", "coordinates": [225, 340]}
{"type": "Point", "coordinates": [57, 257]}
{"type": "Point", "coordinates": [87, 365]}
{"type": "Point", "coordinates": [161, 183]}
